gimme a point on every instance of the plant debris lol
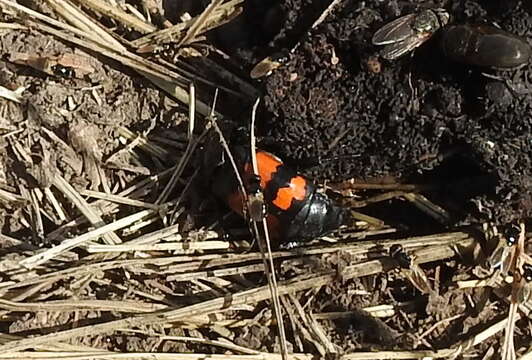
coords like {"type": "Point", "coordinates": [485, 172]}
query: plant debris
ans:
{"type": "Point", "coordinates": [112, 246]}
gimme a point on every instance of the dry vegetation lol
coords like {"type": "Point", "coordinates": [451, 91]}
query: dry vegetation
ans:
{"type": "Point", "coordinates": [102, 257]}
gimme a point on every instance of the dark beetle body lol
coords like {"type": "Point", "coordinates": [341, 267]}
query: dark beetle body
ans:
{"type": "Point", "coordinates": [295, 211]}
{"type": "Point", "coordinates": [64, 71]}
{"type": "Point", "coordinates": [484, 45]}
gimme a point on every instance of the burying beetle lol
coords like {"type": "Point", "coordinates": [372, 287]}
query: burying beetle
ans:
{"type": "Point", "coordinates": [295, 210]}
{"type": "Point", "coordinates": [484, 45]}
{"type": "Point", "coordinates": [408, 32]}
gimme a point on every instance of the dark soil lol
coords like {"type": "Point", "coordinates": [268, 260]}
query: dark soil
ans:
{"type": "Point", "coordinates": [421, 118]}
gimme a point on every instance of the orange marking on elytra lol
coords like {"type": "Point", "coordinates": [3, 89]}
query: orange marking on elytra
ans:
{"type": "Point", "coordinates": [296, 190]}
{"type": "Point", "coordinates": [267, 164]}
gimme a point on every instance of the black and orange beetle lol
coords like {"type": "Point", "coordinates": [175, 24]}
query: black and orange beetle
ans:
{"type": "Point", "coordinates": [295, 210]}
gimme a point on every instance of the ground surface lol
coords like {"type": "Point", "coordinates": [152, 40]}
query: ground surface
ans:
{"type": "Point", "coordinates": [419, 120]}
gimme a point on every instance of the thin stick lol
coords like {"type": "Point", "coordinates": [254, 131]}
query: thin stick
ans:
{"type": "Point", "coordinates": [179, 247]}
{"type": "Point", "coordinates": [268, 259]}
{"type": "Point", "coordinates": [94, 218]}
{"type": "Point", "coordinates": [118, 199]}
{"type": "Point", "coordinates": [176, 175]}
{"type": "Point", "coordinates": [175, 31]}
{"type": "Point", "coordinates": [200, 22]}
{"type": "Point", "coordinates": [35, 260]}
{"type": "Point", "coordinates": [191, 110]}
{"type": "Point", "coordinates": [118, 14]}
{"type": "Point", "coordinates": [508, 348]}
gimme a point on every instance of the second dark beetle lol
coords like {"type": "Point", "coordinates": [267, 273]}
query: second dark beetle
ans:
{"type": "Point", "coordinates": [484, 45]}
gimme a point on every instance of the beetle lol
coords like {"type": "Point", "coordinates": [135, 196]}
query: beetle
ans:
{"type": "Point", "coordinates": [63, 71]}
{"type": "Point", "coordinates": [484, 45]}
{"type": "Point", "coordinates": [295, 210]}
{"type": "Point", "coordinates": [406, 33]}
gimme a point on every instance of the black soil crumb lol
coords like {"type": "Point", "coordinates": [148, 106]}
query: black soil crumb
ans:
{"type": "Point", "coordinates": [341, 112]}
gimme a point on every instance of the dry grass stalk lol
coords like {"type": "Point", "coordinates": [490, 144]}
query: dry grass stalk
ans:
{"type": "Point", "coordinates": [217, 273]}
{"type": "Point", "coordinates": [40, 258]}
{"type": "Point", "coordinates": [11, 26]}
{"type": "Point", "coordinates": [375, 199]}
{"type": "Point", "coordinates": [240, 298]}
{"type": "Point", "coordinates": [379, 311]}
{"type": "Point", "coordinates": [199, 23]}
{"type": "Point", "coordinates": [15, 95]}
{"type": "Point", "coordinates": [118, 199]}
{"type": "Point", "coordinates": [366, 218]}
{"type": "Point", "coordinates": [94, 218]}
{"type": "Point", "coordinates": [392, 187]}
{"type": "Point", "coordinates": [427, 206]}
{"type": "Point", "coordinates": [483, 335]}
{"type": "Point", "coordinates": [10, 197]}
{"type": "Point", "coordinates": [58, 347]}
{"type": "Point", "coordinates": [222, 15]}
{"type": "Point", "coordinates": [119, 15]}
{"type": "Point", "coordinates": [517, 253]}
{"type": "Point", "coordinates": [175, 247]}
{"type": "Point", "coordinates": [142, 142]}
{"type": "Point", "coordinates": [263, 237]}
{"type": "Point", "coordinates": [76, 305]}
